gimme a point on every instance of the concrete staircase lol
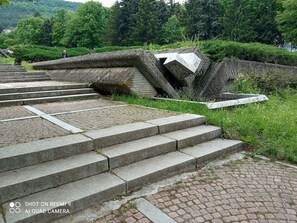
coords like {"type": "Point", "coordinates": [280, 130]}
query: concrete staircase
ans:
{"type": "Point", "coordinates": [16, 73]}
{"type": "Point", "coordinates": [51, 178]}
{"type": "Point", "coordinates": [45, 94]}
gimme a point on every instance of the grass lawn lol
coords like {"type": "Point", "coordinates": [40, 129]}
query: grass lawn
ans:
{"type": "Point", "coordinates": [268, 128]}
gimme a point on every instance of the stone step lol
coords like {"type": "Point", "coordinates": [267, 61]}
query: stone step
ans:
{"type": "Point", "coordinates": [5, 69]}
{"type": "Point", "coordinates": [213, 149]}
{"type": "Point", "coordinates": [134, 151]}
{"type": "Point", "coordinates": [27, 154]}
{"type": "Point", "coordinates": [39, 94]}
{"type": "Point", "coordinates": [81, 194]}
{"type": "Point", "coordinates": [151, 170]}
{"type": "Point", "coordinates": [25, 80]}
{"type": "Point", "coordinates": [43, 88]}
{"type": "Point", "coordinates": [32, 179]}
{"type": "Point", "coordinates": [41, 100]}
{"type": "Point", "coordinates": [174, 123]}
{"type": "Point", "coordinates": [195, 135]}
{"type": "Point", "coordinates": [120, 134]}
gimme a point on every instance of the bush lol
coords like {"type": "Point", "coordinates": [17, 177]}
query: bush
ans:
{"type": "Point", "coordinates": [34, 53]}
{"type": "Point", "coordinates": [218, 50]}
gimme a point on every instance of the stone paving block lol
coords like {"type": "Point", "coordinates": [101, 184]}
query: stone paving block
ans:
{"type": "Point", "coordinates": [32, 153]}
{"type": "Point", "coordinates": [28, 180]}
{"type": "Point", "coordinates": [192, 136]}
{"type": "Point", "coordinates": [154, 169]}
{"type": "Point", "coordinates": [121, 134]}
{"type": "Point", "coordinates": [80, 194]}
{"type": "Point", "coordinates": [22, 131]}
{"type": "Point", "coordinates": [174, 123]}
{"type": "Point", "coordinates": [130, 152]}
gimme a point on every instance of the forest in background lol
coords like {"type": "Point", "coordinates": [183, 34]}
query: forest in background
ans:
{"type": "Point", "coordinates": [19, 9]}
{"type": "Point", "coordinates": [144, 22]}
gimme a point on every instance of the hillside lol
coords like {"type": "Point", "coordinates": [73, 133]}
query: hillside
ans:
{"type": "Point", "coordinates": [18, 9]}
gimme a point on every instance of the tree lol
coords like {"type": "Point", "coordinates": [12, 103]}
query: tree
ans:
{"type": "Point", "coordinates": [112, 32]}
{"type": "Point", "coordinates": [238, 20]}
{"type": "Point", "coordinates": [286, 21]}
{"type": "Point", "coordinates": [29, 30]}
{"type": "Point", "coordinates": [85, 29]}
{"type": "Point", "coordinates": [126, 21]}
{"type": "Point", "coordinates": [202, 18]}
{"type": "Point", "coordinates": [265, 24]}
{"type": "Point", "coordinates": [146, 27]}
{"type": "Point", "coordinates": [59, 27]}
{"type": "Point", "coordinates": [172, 30]}
{"type": "Point", "coordinates": [4, 2]}
{"type": "Point", "coordinates": [47, 32]}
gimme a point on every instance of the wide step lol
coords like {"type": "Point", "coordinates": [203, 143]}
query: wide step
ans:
{"type": "Point", "coordinates": [28, 180]}
{"type": "Point", "coordinates": [80, 194]}
{"type": "Point", "coordinates": [29, 101]}
{"type": "Point", "coordinates": [130, 152]}
{"type": "Point", "coordinates": [32, 153]}
{"type": "Point", "coordinates": [151, 170]}
{"type": "Point", "coordinates": [192, 136]}
{"type": "Point", "coordinates": [212, 149]}
{"type": "Point", "coordinates": [40, 94]}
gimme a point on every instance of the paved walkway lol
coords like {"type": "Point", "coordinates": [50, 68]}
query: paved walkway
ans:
{"type": "Point", "coordinates": [248, 190]}
{"type": "Point", "coordinates": [20, 125]}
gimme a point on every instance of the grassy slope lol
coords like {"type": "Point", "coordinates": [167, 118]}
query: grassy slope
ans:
{"type": "Point", "coordinates": [270, 128]}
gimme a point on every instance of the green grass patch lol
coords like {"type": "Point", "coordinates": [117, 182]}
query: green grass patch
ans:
{"type": "Point", "coordinates": [269, 128]}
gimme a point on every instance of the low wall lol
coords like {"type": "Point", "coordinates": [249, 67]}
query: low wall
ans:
{"type": "Point", "coordinates": [220, 76]}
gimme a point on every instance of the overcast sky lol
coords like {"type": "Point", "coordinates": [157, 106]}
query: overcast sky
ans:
{"type": "Point", "coordinates": [106, 3]}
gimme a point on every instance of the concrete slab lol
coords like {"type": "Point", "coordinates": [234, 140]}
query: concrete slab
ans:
{"type": "Point", "coordinates": [192, 136]}
{"type": "Point", "coordinates": [121, 134]}
{"type": "Point", "coordinates": [70, 198]}
{"type": "Point", "coordinates": [213, 149]}
{"type": "Point", "coordinates": [174, 123]}
{"type": "Point", "coordinates": [32, 153]}
{"type": "Point", "coordinates": [130, 152]}
{"type": "Point", "coordinates": [28, 180]}
{"type": "Point", "coordinates": [154, 169]}
{"type": "Point", "coordinates": [151, 212]}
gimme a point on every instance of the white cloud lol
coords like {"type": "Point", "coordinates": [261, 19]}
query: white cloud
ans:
{"type": "Point", "coordinates": [106, 3]}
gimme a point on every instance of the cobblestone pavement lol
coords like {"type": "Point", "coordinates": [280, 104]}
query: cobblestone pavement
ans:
{"type": "Point", "coordinates": [105, 118]}
{"type": "Point", "coordinates": [28, 130]}
{"type": "Point", "coordinates": [248, 191]}
{"type": "Point", "coordinates": [74, 105]}
{"type": "Point", "coordinates": [127, 213]}
{"type": "Point", "coordinates": [14, 112]}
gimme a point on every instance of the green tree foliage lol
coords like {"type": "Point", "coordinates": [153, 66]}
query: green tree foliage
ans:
{"type": "Point", "coordinates": [250, 20]}
{"type": "Point", "coordinates": [47, 32]}
{"type": "Point", "coordinates": [85, 28]}
{"type": "Point", "coordinates": [126, 21]}
{"type": "Point", "coordinates": [19, 9]}
{"type": "Point", "coordinates": [287, 21]}
{"type": "Point", "coordinates": [203, 18]}
{"type": "Point", "coordinates": [112, 32]}
{"type": "Point", "coordinates": [146, 27]}
{"type": "Point", "coordinates": [4, 2]}
{"type": "Point", "coordinates": [172, 30]}
{"type": "Point", "coordinates": [30, 30]}
{"type": "Point", "coordinates": [59, 27]}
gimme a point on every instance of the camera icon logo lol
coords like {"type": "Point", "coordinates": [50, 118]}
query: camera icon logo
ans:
{"type": "Point", "coordinates": [15, 207]}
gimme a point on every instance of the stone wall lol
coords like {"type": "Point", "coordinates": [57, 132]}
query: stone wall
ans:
{"type": "Point", "coordinates": [220, 76]}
